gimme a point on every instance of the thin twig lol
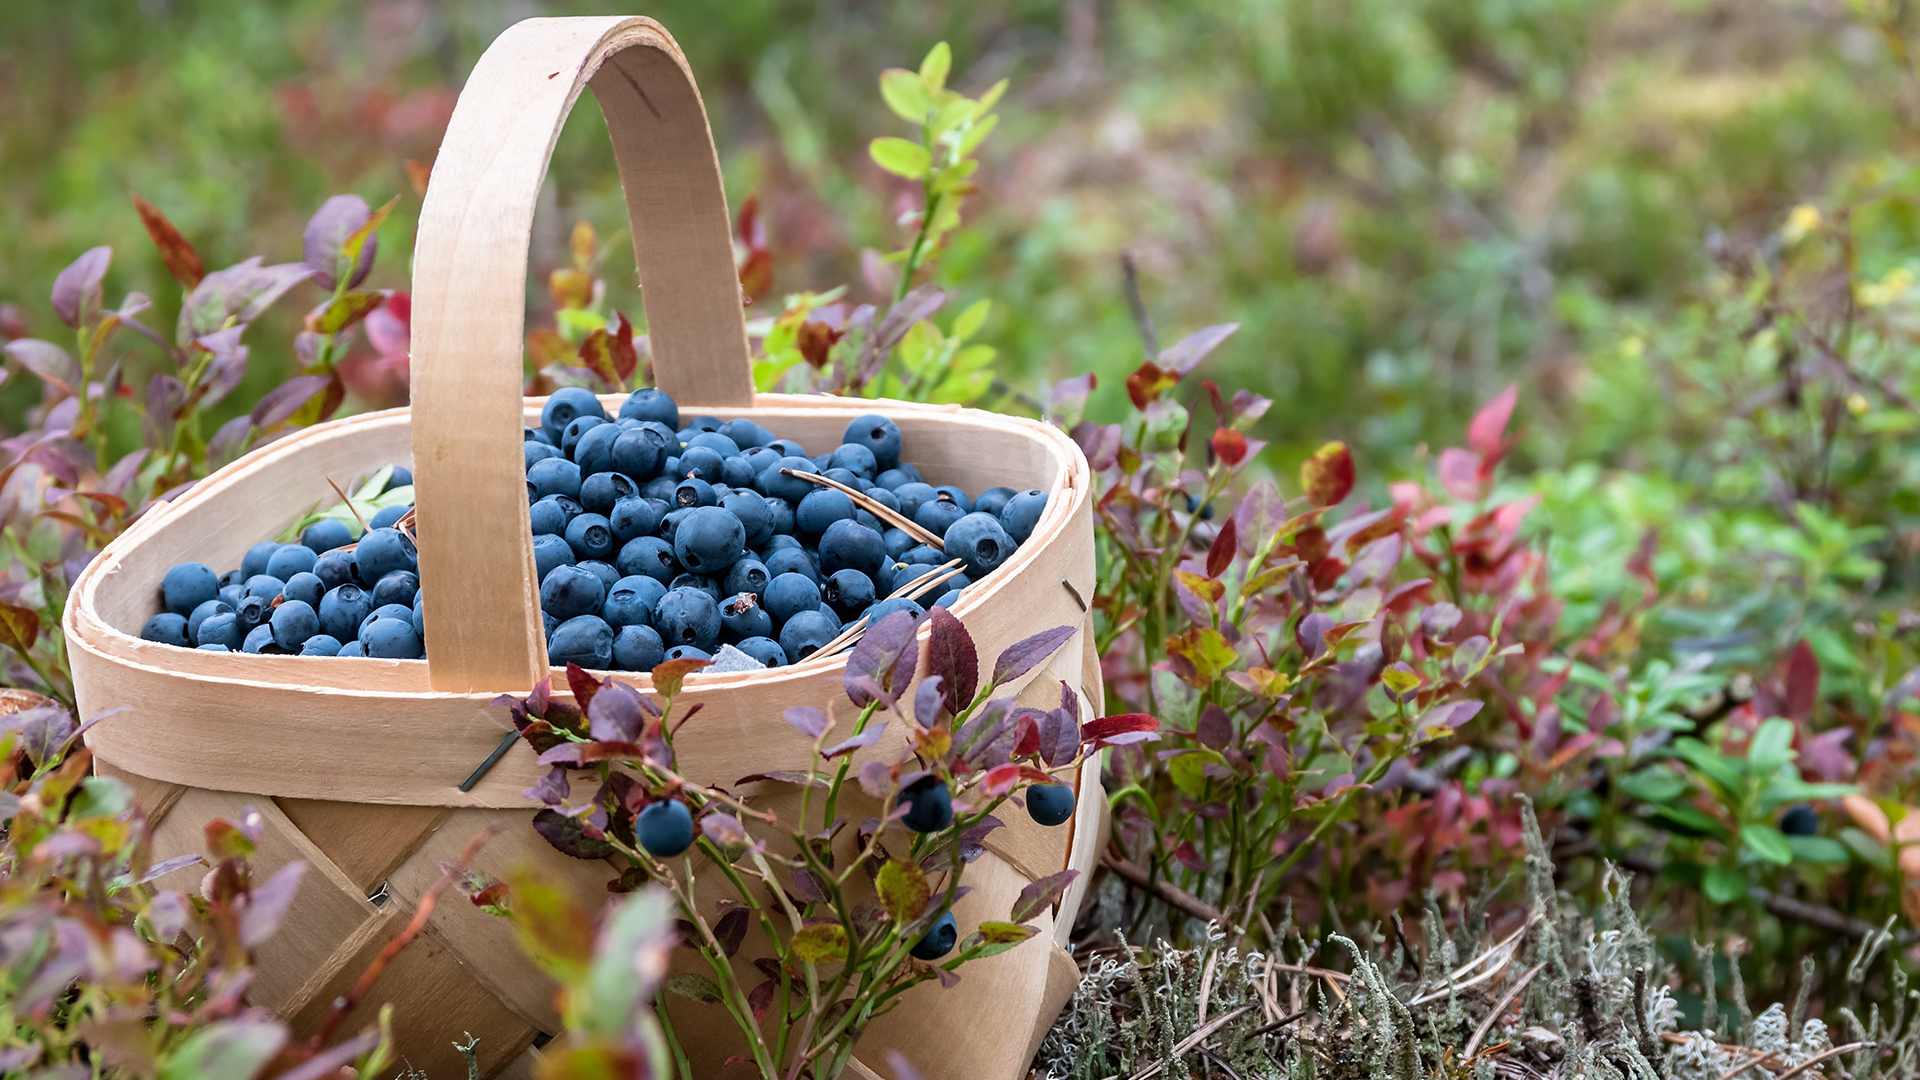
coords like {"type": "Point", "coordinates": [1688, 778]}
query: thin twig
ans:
{"type": "Point", "coordinates": [877, 509]}
{"type": "Point", "coordinates": [1499, 1007]}
{"type": "Point", "coordinates": [1757, 1057]}
{"type": "Point", "coordinates": [1823, 1056]}
{"type": "Point", "coordinates": [1268, 1029]}
{"type": "Point", "coordinates": [348, 503]}
{"type": "Point", "coordinates": [1149, 338]}
{"type": "Point", "coordinates": [1169, 893]}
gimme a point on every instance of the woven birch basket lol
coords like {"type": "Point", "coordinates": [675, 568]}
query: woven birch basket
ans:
{"type": "Point", "coordinates": [355, 765]}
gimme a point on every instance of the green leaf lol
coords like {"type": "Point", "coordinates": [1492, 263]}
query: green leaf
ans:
{"type": "Point", "coordinates": [1186, 771]}
{"type": "Point", "coordinates": [994, 938]}
{"type": "Point", "coordinates": [344, 311]}
{"type": "Point", "coordinates": [1724, 884]}
{"type": "Point", "coordinates": [933, 70]}
{"type": "Point", "coordinates": [901, 158]}
{"type": "Point", "coordinates": [628, 956]}
{"type": "Point", "coordinates": [19, 627]}
{"type": "Point", "coordinates": [978, 134]}
{"type": "Point", "coordinates": [1772, 746]}
{"type": "Point", "coordinates": [234, 1049]}
{"type": "Point", "coordinates": [991, 98]}
{"type": "Point", "coordinates": [906, 95]}
{"type": "Point", "coordinates": [950, 115]}
{"type": "Point", "coordinates": [100, 797]}
{"type": "Point", "coordinates": [1653, 785]}
{"type": "Point", "coordinates": [823, 943]}
{"type": "Point", "coordinates": [1817, 849]}
{"type": "Point", "coordinates": [903, 890]}
{"type": "Point", "coordinates": [695, 988]}
{"type": "Point", "coordinates": [1767, 842]}
{"type": "Point", "coordinates": [1687, 821]}
{"type": "Point", "coordinates": [969, 321]}
{"type": "Point", "coordinates": [1728, 774]}
{"type": "Point", "coordinates": [1867, 849]}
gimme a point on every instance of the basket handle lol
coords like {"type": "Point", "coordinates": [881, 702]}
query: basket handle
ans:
{"type": "Point", "coordinates": [469, 308]}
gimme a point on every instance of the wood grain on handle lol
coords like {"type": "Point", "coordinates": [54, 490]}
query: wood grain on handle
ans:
{"type": "Point", "coordinates": [484, 629]}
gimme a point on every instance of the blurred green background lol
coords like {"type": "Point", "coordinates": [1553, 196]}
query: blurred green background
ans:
{"type": "Point", "coordinates": [1406, 203]}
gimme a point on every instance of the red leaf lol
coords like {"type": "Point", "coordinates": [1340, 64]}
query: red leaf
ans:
{"type": "Point", "coordinates": [952, 655]}
{"type": "Point", "coordinates": [596, 355]}
{"type": "Point", "coordinates": [1460, 474]}
{"type": "Point", "coordinates": [181, 260]}
{"type": "Point", "coordinates": [1802, 682]}
{"type": "Point", "coordinates": [1148, 382]}
{"type": "Point", "coordinates": [626, 359]}
{"type": "Point", "coordinates": [1220, 555]}
{"type": "Point", "coordinates": [583, 685]}
{"type": "Point", "coordinates": [1229, 446]}
{"type": "Point", "coordinates": [1328, 474]}
{"type": "Point", "coordinates": [1487, 433]}
{"type": "Point", "coordinates": [1108, 726]}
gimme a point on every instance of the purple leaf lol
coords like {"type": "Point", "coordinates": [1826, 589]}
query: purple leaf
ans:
{"type": "Point", "coordinates": [902, 1068]}
{"type": "Point", "coordinates": [123, 471]}
{"type": "Point", "coordinates": [987, 738]}
{"type": "Point", "coordinates": [1450, 716]}
{"type": "Point", "coordinates": [887, 654]}
{"type": "Point", "coordinates": [973, 842]}
{"type": "Point", "coordinates": [331, 225]}
{"type": "Point", "coordinates": [1068, 401]}
{"type": "Point", "coordinates": [284, 400]}
{"type": "Point", "coordinates": [76, 292]}
{"type": "Point", "coordinates": [724, 829]}
{"type": "Point", "coordinates": [875, 778]}
{"type": "Point", "coordinates": [267, 905]}
{"type": "Point", "coordinates": [1311, 634]}
{"type": "Point", "coordinates": [230, 440]}
{"type": "Point", "coordinates": [552, 788]}
{"type": "Point", "coordinates": [237, 294]}
{"type": "Point", "coordinates": [1258, 515]}
{"type": "Point", "coordinates": [167, 912]}
{"type": "Point", "coordinates": [1023, 655]}
{"type": "Point", "coordinates": [1439, 620]}
{"type": "Point", "coordinates": [330, 1062]}
{"type": "Point", "coordinates": [864, 690]}
{"type": "Point", "coordinates": [951, 655]}
{"type": "Point", "coordinates": [168, 866]}
{"type": "Point", "coordinates": [809, 721]}
{"type": "Point", "coordinates": [228, 366]}
{"type": "Point", "coordinates": [1043, 893]}
{"type": "Point", "coordinates": [43, 731]}
{"type": "Point", "coordinates": [875, 728]}
{"type": "Point", "coordinates": [1185, 355]}
{"type": "Point", "coordinates": [569, 836]}
{"type": "Point", "coordinates": [1214, 728]}
{"type": "Point", "coordinates": [807, 887]}
{"type": "Point", "coordinates": [47, 360]}
{"type": "Point", "coordinates": [786, 776]}
{"type": "Point", "coordinates": [165, 396]}
{"type": "Point", "coordinates": [928, 701]}
{"type": "Point", "coordinates": [912, 308]}
{"type": "Point", "coordinates": [614, 714]}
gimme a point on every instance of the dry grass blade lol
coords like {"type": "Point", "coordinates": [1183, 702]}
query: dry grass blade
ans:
{"type": "Point", "coordinates": [877, 509]}
{"type": "Point", "coordinates": [1452, 987]}
{"type": "Point", "coordinates": [927, 582]}
{"type": "Point", "coordinates": [845, 638]}
{"type": "Point", "coordinates": [1823, 1056]}
{"type": "Point", "coordinates": [348, 503]}
{"type": "Point", "coordinates": [1499, 1007]}
{"type": "Point", "coordinates": [1755, 1058]}
{"type": "Point", "coordinates": [1200, 1035]}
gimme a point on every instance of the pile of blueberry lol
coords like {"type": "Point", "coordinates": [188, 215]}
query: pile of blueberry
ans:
{"type": "Point", "coordinates": [653, 540]}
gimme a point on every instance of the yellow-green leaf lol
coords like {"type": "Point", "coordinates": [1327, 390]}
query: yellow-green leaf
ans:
{"type": "Point", "coordinates": [825, 943]}
{"type": "Point", "coordinates": [971, 319]}
{"type": "Point", "coordinates": [977, 134]}
{"type": "Point", "coordinates": [951, 115]}
{"type": "Point", "coordinates": [900, 157]}
{"type": "Point", "coordinates": [905, 94]}
{"type": "Point", "coordinates": [903, 890]}
{"type": "Point", "coordinates": [989, 99]}
{"type": "Point", "coordinates": [933, 70]}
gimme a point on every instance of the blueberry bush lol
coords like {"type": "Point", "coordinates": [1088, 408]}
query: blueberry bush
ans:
{"type": "Point", "coordinates": [1507, 618]}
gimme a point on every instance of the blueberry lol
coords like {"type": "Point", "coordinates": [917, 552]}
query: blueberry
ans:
{"type": "Point", "coordinates": [603, 570]}
{"type": "Point", "coordinates": [912, 495]}
{"type": "Point", "coordinates": [784, 540]}
{"type": "Point", "coordinates": [955, 495]}
{"type": "Point", "coordinates": [388, 517]}
{"type": "Point", "coordinates": [548, 625]}
{"type": "Point", "coordinates": [978, 541]}
{"type": "Point", "coordinates": [222, 629]}
{"type": "Point", "coordinates": [648, 555]}
{"type": "Point", "coordinates": [820, 509]}
{"type": "Point", "coordinates": [639, 453]}
{"type": "Point", "coordinates": [321, 645]}
{"type": "Point", "coordinates": [392, 612]}
{"type": "Point", "coordinates": [307, 588]}
{"type": "Point", "coordinates": [714, 441]}
{"type": "Point", "coordinates": [334, 568]}
{"type": "Point", "coordinates": [166, 628]}
{"type": "Point", "coordinates": [791, 488]}
{"type": "Point", "coordinates": [709, 540]}
{"type": "Point", "coordinates": [1800, 821]}
{"type": "Point", "coordinates": [343, 609]}
{"type": "Point", "coordinates": [764, 649]}
{"type": "Point", "coordinates": [392, 639]}
{"type": "Point", "coordinates": [746, 434]}
{"type": "Point", "coordinates": [884, 497]}
{"type": "Point", "coordinates": [419, 619]}
{"type": "Point", "coordinates": [189, 585]}
{"type": "Point", "coordinates": [688, 617]}
{"type": "Point", "coordinates": [531, 452]}
{"type": "Point", "coordinates": [549, 516]}
{"type": "Point", "coordinates": [352, 648]}
{"type": "Point", "coordinates": [700, 423]}
{"type": "Point", "coordinates": [670, 524]}
{"type": "Point", "coordinates": [804, 634]}
{"type": "Point", "coordinates": [630, 601]}
{"type": "Point", "coordinates": [251, 611]}
{"type": "Point", "coordinates": [947, 599]}
{"type": "Point", "coordinates": [884, 608]}
{"type": "Point", "coordinates": [891, 479]}
{"type": "Point", "coordinates": [260, 640]}
{"type": "Point", "coordinates": [554, 476]}
{"type": "Point", "coordinates": [847, 592]}
{"type": "Point", "coordinates": [787, 448]}
{"type": "Point", "coordinates": [783, 561]}
{"type": "Point", "coordinates": [850, 545]}
{"type": "Point", "coordinates": [599, 492]}
{"type": "Point", "coordinates": [992, 500]}
{"type": "Point", "coordinates": [565, 404]}
{"type": "Point", "coordinates": [938, 515]}
{"type": "Point", "coordinates": [856, 458]}
{"type": "Point", "coordinates": [231, 577]}
{"type": "Point", "coordinates": [382, 551]}
{"type": "Point", "coordinates": [650, 404]}
{"type": "Point", "coordinates": [293, 623]}
{"type": "Point", "coordinates": [213, 648]}
{"type": "Point", "coordinates": [789, 594]}
{"type": "Point", "coordinates": [398, 587]}
{"type": "Point", "coordinates": [590, 536]}
{"type": "Point", "coordinates": [634, 516]}
{"type": "Point", "coordinates": [761, 458]}
{"type": "Point", "coordinates": [255, 561]}
{"type": "Point", "coordinates": [570, 591]}
{"type": "Point", "coordinates": [846, 478]}
{"type": "Point", "coordinates": [898, 541]}
{"type": "Point", "coordinates": [664, 828]}
{"type": "Point", "coordinates": [742, 617]}
{"type": "Point", "coordinates": [746, 576]}
{"type": "Point", "coordinates": [203, 612]}
{"type": "Point", "coordinates": [291, 559]}
{"type": "Point", "coordinates": [577, 427]}
{"type": "Point", "coordinates": [701, 462]}
{"type": "Point", "coordinates": [929, 805]}
{"type": "Point", "coordinates": [594, 452]}
{"type": "Point", "coordinates": [939, 939]}
{"type": "Point", "coordinates": [879, 435]}
{"type": "Point", "coordinates": [264, 587]}
{"type": "Point", "coordinates": [780, 514]}
{"type": "Point", "coordinates": [232, 595]}
{"type": "Point", "coordinates": [400, 477]}
{"type": "Point", "coordinates": [1050, 804]}
{"type": "Point", "coordinates": [549, 553]}
{"type": "Point", "coordinates": [926, 554]}
{"type": "Point", "coordinates": [1022, 513]}
{"type": "Point", "coordinates": [586, 640]}
{"type": "Point", "coordinates": [688, 652]}
{"type": "Point", "coordinates": [693, 492]}
{"type": "Point", "coordinates": [822, 461]}
{"type": "Point", "coordinates": [755, 518]}
{"type": "Point", "coordinates": [866, 518]}
{"type": "Point", "coordinates": [637, 648]}
{"type": "Point", "coordinates": [326, 534]}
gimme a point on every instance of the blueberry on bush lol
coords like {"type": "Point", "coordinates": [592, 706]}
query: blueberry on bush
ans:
{"type": "Point", "coordinates": [939, 939]}
{"type": "Point", "coordinates": [664, 828]}
{"type": "Point", "coordinates": [1050, 804]}
{"type": "Point", "coordinates": [929, 805]}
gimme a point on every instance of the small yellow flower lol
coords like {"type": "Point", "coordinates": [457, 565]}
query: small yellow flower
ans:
{"type": "Point", "coordinates": [1803, 220]}
{"type": "Point", "coordinates": [1856, 405]}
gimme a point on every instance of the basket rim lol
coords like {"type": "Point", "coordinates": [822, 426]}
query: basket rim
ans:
{"type": "Point", "coordinates": [87, 629]}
